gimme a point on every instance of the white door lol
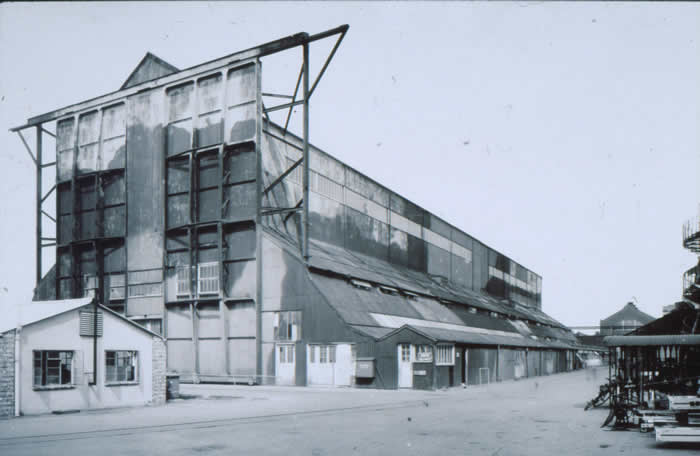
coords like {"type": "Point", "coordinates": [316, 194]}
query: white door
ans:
{"type": "Point", "coordinates": [405, 357]}
{"type": "Point", "coordinates": [285, 364]}
{"type": "Point", "coordinates": [344, 367]}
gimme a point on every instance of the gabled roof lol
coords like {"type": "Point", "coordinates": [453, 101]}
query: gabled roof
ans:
{"type": "Point", "coordinates": [630, 312]}
{"type": "Point", "coordinates": [40, 310]}
{"type": "Point", "coordinates": [150, 67]}
{"type": "Point", "coordinates": [36, 311]}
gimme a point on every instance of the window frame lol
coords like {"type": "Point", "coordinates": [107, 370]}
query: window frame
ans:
{"type": "Point", "coordinates": [441, 356]}
{"type": "Point", "coordinates": [44, 375]}
{"type": "Point", "coordinates": [134, 357]}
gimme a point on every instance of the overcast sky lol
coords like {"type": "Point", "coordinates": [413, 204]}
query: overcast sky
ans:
{"type": "Point", "coordinates": [564, 135]}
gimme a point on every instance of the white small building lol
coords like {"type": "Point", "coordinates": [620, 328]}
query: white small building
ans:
{"type": "Point", "coordinates": [51, 359]}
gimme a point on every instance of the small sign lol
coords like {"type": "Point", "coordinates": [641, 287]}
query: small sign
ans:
{"type": "Point", "coordinates": [420, 372]}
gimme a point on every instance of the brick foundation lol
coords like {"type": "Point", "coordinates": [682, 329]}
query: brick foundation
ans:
{"type": "Point", "coordinates": [7, 374]}
{"type": "Point", "coordinates": [159, 367]}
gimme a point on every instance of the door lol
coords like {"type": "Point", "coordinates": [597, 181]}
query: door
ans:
{"type": "Point", "coordinates": [285, 363]}
{"type": "Point", "coordinates": [405, 359]}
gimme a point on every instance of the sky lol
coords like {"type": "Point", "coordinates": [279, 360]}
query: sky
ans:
{"type": "Point", "coordinates": [564, 135]}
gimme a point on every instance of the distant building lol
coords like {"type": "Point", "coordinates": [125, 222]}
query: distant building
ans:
{"type": "Point", "coordinates": [625, 320]}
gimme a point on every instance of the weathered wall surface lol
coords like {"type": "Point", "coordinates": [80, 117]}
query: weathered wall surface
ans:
{"type": "Point", "coordinates": [7, 374]}
{"type": "Point", "coordinates": [352, 211]}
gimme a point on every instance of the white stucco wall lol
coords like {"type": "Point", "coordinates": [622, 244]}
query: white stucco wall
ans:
{"type": "Point", "coordinates": [62, 332]}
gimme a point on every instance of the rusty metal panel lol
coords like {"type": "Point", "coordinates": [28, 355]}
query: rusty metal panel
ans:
{"type": "Point", "coordinates": [240, 164]}
{"type": "Point", "coordinates": [208, 205]}
{"type": "Point", "coordinates": [398, 247]}
{"type": "Point", "coordinates": [144, 305]}
{"type": "Point", "coordinates": [406, 209]}
{"type": "Point", "coordinates": [180, 112]}
{"type": "Point", "coordinates": [114, 258]}
{"type": "Point", "coordinates": [144, 178]}
{"type": "Point", "coordinates": [366, 187]}
{"type": "Point", "coordinates": [114, 189]}
{"type": "Point", "coordinates": [438, 261]}
{"type": "Point", "coordinates": [113, 137]}
{"type": "Point", "coordinates": [328, 166]}
{"type": "Point", "coordinates": [240, 279]}
{"type": "Point", "coordinates": [65, 147]}
{"type": "Point", "coordinates": [115, 221]}
{"type": "Point", "coordinates": [240, 121]}
{"type": "Point", "coordinates": [327, 219]}
{"type": "Point", "coordinates": [479, 266]}
{"type": "Point", "coordinates": [240, 201]}
{"type": "Point", "coordinates": [417, 258]}
{"type": "Point", "coordinates": [462, 239]}
{"type": "Point", "coordinates": [438, 225]}
{"type": "Point", "coordinates": [178, 210]}
{"type": "Point", "coordinates": [88, 142]}
{"type": "Point", "coordinates": [239, 241]}
{"type": "Point", "coordinates": [365, 234]}
{"type": "Point", "coordinates": [461, 272]}
{"type": "Point", "coordinates": [210, 121]}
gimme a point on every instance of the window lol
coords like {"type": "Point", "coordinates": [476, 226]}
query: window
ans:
{"type": "Point", "coordinates": [286, 354]}
{"type": "Point", "coordinates": [208, 278]}
{"type": "Point", "coordinates": [445, 355]}
{"type": "Point", "coordinates": [287, 325]}
{"type": "Point", "coordinates": [312, 354]}
{"type": "Point", "coordinates": [183, 280]}
{"type": "Point", "coordinates": [53, 368]}
{"type": "Point", "coordinates": [326, 354]}
{"type": "Point", "coordinates": [406, 353]}
{"type": "Point", "coordinates": [424, 354]}
{"type": "Point", "coordinates": [122, 367]}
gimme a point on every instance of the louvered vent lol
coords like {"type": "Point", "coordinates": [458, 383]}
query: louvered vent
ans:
{"type": "Point", "coordinates": [87, 322]}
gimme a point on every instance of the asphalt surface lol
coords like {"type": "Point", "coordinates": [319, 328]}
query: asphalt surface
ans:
{"type": "Point", "coordinates": [541, 416]}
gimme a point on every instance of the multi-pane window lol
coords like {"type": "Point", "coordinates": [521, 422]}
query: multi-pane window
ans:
{"type": "Point", "coordinates": [326, 354]}
{"type": "Point", "coordinates": [53, 368]}
{"type": "Point", "coordinates": [287, 325]}
{"type": "Point", "coordinates": [406, 353]}
{"type": "Point", "coordinates": [286, 353]}
{"type": "Point", "coordinates": [445, 355]}
{"type": "Point", "coordinates": [121, 366]}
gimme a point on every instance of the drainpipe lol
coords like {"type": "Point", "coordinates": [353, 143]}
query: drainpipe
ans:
{"type": "Point", "coordinates": [94, 341]}
{"type": "Point", "coordinates": [18, 366]}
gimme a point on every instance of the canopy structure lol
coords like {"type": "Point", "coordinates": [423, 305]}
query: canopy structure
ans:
{"type": "Point", "coordinates": [649, 341]}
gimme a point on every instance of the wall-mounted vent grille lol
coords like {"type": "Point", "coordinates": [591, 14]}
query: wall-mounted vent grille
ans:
{"type": "Point", "coordinates": [208, 278]}
{"type": "Point", "coordinates": [87, 323]}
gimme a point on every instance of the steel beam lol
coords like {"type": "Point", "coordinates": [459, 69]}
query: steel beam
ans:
{"type": "Point", "coordinates": [29, 149]}
{"type": "Point", "coordinates": [282, 176]}
{"type": "Point", "coordinates": [39, 200]}
{"type": "Point", "coordinates": [272, 47]}
{"type": "Point", "coordinates": [328, 61]}
{"type": "Point", "coordinates": [284, 106]}
{"type": "Point", "coordinates": [294, 97]}
{"type": "Point", "coordinates": [305, 155]}
{"type": "Point", "coordinates": [48, 193]}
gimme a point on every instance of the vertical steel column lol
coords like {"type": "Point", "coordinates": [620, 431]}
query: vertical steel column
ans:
{"type": "Point", "coordinates": [305, 178]}
{"type": "Point", "coordinates": [39, 169]}
{"type": "Point", "coordinates": [258, 225]}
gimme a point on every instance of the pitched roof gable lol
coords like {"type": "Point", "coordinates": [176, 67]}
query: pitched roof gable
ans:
{"type": "Point", "coordinates": [150, 67]}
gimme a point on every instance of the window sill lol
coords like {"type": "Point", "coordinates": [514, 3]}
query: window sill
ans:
{"type": "Point", "coordinates": [121, 383]}
{"type": "Point", "coordinates": [52, 387]}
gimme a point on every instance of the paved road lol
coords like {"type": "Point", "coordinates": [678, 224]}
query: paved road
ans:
{"type": "Point", "coordinates": [542, 416]}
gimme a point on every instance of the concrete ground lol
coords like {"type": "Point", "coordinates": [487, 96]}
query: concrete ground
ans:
{"type": "Point", "coordinates": [540, 416]}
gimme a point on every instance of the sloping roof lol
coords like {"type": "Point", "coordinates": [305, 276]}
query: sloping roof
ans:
{"type": "Point", "coordinates": [641, 341]}
{"type": "Point", "coordinates": [150, 67]}
{"type": "Point", "coordinates": [35, 311]}
{"type": "Point", "coordinates": [629, 312]}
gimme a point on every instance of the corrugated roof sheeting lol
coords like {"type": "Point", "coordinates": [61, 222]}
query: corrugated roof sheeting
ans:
{"type": "Point", "coordinates": [484, 321]}
{"type": "Point", "coordinates": [464, 337]}
{"type": "Point", "coordinates": [430, 309]}
{"type": "Point", "coordinates": [372, 331]}
{"type": "Point", "coordinates": [643, 341]}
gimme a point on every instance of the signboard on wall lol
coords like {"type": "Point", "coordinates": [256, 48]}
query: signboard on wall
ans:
{"type": "Point", "coordinates": [424, 354]}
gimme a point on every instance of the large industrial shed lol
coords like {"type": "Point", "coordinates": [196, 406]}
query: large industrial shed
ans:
{"type": "Point", "coordinates": [264, 259]}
